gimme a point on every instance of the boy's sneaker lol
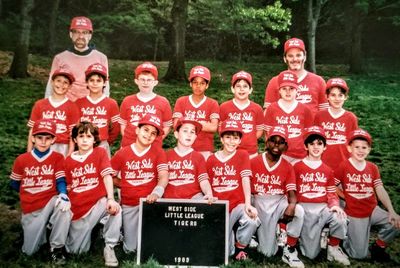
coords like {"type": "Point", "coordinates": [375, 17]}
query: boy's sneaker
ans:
{"type": "Point", "coordinates": [324, 237]}
{"type": "Point", "coordinates": [109, 257]}
{"type": "Point", "coordinates": [290, 257]}
{"type": "Point", "coordinates": [379, 254]}
{"type": "Point", "coordinates": [253, 243]}
{"type": "Point", "coordinates": [281, 236]}
{"type": "Point", "coordinates": [337, 254]}
{"type": "Point", "coordinates": [57, 256]}
{"type": "Point", "coordinates": [241, 256]}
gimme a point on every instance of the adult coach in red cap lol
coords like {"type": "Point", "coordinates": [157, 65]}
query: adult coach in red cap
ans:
{"type": "Point", "coordinates": [311, 87]}
{"type": "Point", "coordinates": [78, 58]}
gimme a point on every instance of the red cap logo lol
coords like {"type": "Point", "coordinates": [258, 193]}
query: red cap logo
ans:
{"type": "Point", "coordinates": [200, 71]}
{"type": "Point", "coordinates": [81, 23]}
{"type": "Point", "coordinates": [287, 78]}
{"type": "Point", "coordinates": [242, 75]}
{"type": "Point", "coordinates": [337, 82]}
{"type": "Point", "coordinates": [146, 67]}
{"type": "Point", "coordinates": [294, 43]}
{"type": "Point", "coordinates": [96, 68]}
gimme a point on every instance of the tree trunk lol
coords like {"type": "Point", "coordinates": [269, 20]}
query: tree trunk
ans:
{"type": "Point", "coordinates": [313, 12]}
{"type": "Point", "coordinates": [176, 66]}
{"type": "Point", "coordinates": [357, 24]}
{"type": "Point", "coordinates": [19, 65]}
{"type": "Point", "coordinates": [52, 27]}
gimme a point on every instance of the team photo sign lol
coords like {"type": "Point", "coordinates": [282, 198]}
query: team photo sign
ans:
{"type": "Point", "coordinates": [183, 232]}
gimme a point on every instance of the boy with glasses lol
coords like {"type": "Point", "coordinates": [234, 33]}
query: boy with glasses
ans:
{"type": "Point", "coordinates": [134, 107]}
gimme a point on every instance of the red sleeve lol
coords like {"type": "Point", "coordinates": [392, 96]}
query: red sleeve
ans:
{"type": "Point", "coordinates": [124, 109]}
{"type": "Point", "coordinates": [201, 168]}
{"type": "Point", "coordinates": [215, 111]}
{"type": "Point", "coordinates": [259, 118]}
{"type": "Point", "coordinates": [271, 92]}
{"type": "Point", "coordinates": [115, 127]}
{"type": "Point", "coordinates": [269, 119]}
{"type": "Point", "coordinates": [17, 170]}
{"type": "Point", "coordinates": [167, 114]}
{"type": "Point", "coordinates": [116, 162]}
{"type": "Point", "coordinates": [74, 115]}
{"type": "Point", "coordinates": [223, 111]}
{"type": "Point", "coordinates": [178, 109]}
{"type": "Point", "coordinates": [322, 100]}
{"type": "Point", "coordinates": [290, 179]}
{"type": "Point", "coordinates": [35, 114]}
{"type": "Point", "coordinates": [308, 117]}
{"type": "Point", "coordinates": [105, 165]}
{"type": "Point", "coordinates": [59, 169]}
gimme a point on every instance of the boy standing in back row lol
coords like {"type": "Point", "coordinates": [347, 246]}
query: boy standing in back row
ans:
{"type": "Point", "coordinates": [60, 110]}
{"type": "Point", "coordinates": [201, 108]}
{"type": "Point", "coordinates": [145, 102]}
{"type": "Point", "coordinates": [246, 112]}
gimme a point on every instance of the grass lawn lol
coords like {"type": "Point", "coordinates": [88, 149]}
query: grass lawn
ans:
{"type": "Point", "coordinates": [374, 98]}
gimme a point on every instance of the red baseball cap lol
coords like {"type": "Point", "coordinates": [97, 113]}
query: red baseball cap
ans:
{"type": "Point", "coordinates": [359, 133]}
{"type": "Point", "coordinates": [200, 71]}
{"type": "Point", "coordinates": [44, 126]}
{"type": "Point", "coordinates": [96, 68]}
{"type": "Point", "coordinates": [337, 82]}
{"type": "Point", "coordinates": [294, 43]}
{"type": "Point", "coordinates": [287, 78]}
{"type": "Point", "coordinates": [81, 23]}
{"type": "Point", "coordinates": [152, 120]}
{"type": "Point", "coordinates": [242, 75]}
{"type": "Point", "coordinates": [146, 67]}
{"type": "Point", "coordinates": [314, 130]}
{"type": "Point", "coordinates": [196, 124]}
{"type": "Point", "coordinates": [278, 131]}
{"type": "Point", "coordinates": [63, 72]}
{"type": "Point", "coordinates": [230, 125]}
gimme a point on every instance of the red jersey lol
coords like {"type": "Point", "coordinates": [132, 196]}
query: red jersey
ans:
{"type": "Point", "coordinates": [85, 178]}
{"type": "Point", "coordinates": [138, 171]}
{"type": "Point", "coordinates": [275, 180]}
{"type": "Point", "coordinates": [295, 120]}
{"type": "Point", "coordinates": [311, 92]}
{"type": "Point", "coordinates": [103, 113]}
{"type": "Point", "coordinates": [186, 171]}
{"type": "Point", "coordinates": [206, 110]}
{"type": "Point", "coordinates": [336, 127]}
{"type": "Point", "coordinates": [37, 177]}
{"type": "Point", "coordinates": [226, 176]}
{"type": "Point", "coordinates": [314, 181]}
{"type": "Point", "coordinates": [133, 108]}
{"type": "Point", "coordinates": [251, 118]}
{"type": "Point", "coordinates": [65, 114]}
{"type": "Point", "coordinates": [358, 187]}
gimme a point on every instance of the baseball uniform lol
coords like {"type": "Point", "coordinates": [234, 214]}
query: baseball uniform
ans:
{"type": "Point", "coordinates": [316, 193]}
{"type": "Point", "coordinates": [251, 118]}
{"type": "Point", "coordinates": [336, 128]}
{"type": "Point", "coordinates": [37, 179]}
{"type": "Point", "coordinates": [65, 114]}
{"type": "Point", "coordinates": [186, 171]}
{"type": "Point", "coordinates": [295, 119]}
{"type": "Point", "coordinates": [359, 184]}
{"type": "Point", "coordinates": [206, 110]}
{"type": "Point", "coordinates": [88, 197]}
{"type": "Point", "coordinates": [226, 176]}
{"type": "Point", "coordinates": [270, 186]}
{"type": "Point", "coordinates": [133, 108]}
{"type": "Point", "coordinates": [139, 176]}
